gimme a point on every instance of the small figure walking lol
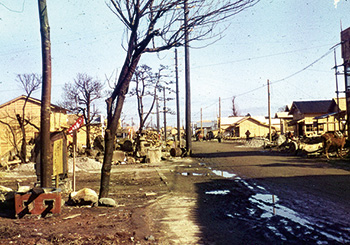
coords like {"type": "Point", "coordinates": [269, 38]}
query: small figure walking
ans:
{"type": "Point", "coordinates": [247, 134]}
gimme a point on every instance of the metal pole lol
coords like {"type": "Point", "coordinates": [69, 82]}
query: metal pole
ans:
{"type": "Point", "coordinates": [177, 100]}
{"type": "Point", "coordinates": [187, 83]}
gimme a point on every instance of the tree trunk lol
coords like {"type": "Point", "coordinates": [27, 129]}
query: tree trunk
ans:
{"type": "Point", "coordinates": [113, 118]}
{"type": "Point", "coordinates": [88, 144]}
{"type": "Point", "coordinates": [24, 148]}
{"type": "Point", "coordinates": [23, 151]}
{"type": "Point", "coordinates": [45, 156]}
{"type": "Point", "coordinates": [109, 146]}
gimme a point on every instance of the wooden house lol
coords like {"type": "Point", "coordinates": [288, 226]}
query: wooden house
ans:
{"type": "Point", "coordinates": [284, 118]}
{"type": "Point", "coordinates": [311, 118]}
{"type": "Point", "coordinates": [255, 127]}
{"type": "Point", "coordinates": [10, 129]}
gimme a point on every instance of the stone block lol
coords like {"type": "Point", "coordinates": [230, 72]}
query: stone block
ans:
{"type": "Point", "coordinates": [118, 156]}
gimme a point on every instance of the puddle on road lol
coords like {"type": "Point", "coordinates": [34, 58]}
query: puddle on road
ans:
{"type": "Point", "coordinates": [224, 174]}
{"type": "Point", "coordinates": [217, 192]}
{"type": "Point", "coordinates": [292, 221]}
{"type": "Point", "coordinates": [189, 174]}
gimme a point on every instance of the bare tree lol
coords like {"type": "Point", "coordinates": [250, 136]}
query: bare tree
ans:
{"type": "Point", "coordinates": [10, 134]}
{"type": "Point", "coordinates": [30, 83]}
{"type": "Point", "coordinates": [79, 96]}
{"type": "Point", "coordinates": [235, 111]}
{"type": "Point", "coordinates": [154, 26]}
{"type": "Point", "coordinates": [283, 109]}
{"type": "Point", "coordinates": [147, 84]}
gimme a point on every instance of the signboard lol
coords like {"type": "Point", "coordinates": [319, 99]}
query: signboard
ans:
{"type": "Point", "coordinates": [345, 44]}
{"type": "Point", "coordinates": [76, 125]}
{"type": "Point", "coordinates": [57, 158]}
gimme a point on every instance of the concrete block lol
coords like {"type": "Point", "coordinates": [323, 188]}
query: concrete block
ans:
{"type": "Point", "coordinates": [118, 156]}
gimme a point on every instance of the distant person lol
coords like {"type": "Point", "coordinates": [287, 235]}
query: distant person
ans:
{"type": "Point", "coordinates": [219, 137]}
{"type": "Point", "coordinates": [247, 134]}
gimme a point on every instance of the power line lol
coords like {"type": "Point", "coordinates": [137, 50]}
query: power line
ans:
{"type": "Point", "coordinates": [260, 57]}
{"type": "Point", "coordinates": [287, 77]}
{"type": "Point", "coordinates": [292, 75]}
{"type": "Point", "coordinates": [274, 82]}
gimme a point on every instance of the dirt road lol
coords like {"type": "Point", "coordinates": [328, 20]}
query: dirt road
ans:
{"type": "Point", "coordinates": [267, 197]}
{"type": "Point", "coordinates": [226, 194]}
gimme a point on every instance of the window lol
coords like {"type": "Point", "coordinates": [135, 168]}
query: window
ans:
{"type": "Point", "coordinates": [309, 128]}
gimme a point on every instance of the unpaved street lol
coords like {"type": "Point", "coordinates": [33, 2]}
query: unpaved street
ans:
{"type": "Point", "coordinates": [226, 194]}
{"type": "Point", "coordinates": [267, 197]}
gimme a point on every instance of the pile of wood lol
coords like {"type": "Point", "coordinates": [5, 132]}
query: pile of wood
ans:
{"type": "Point", "coordinates": [152, 138]}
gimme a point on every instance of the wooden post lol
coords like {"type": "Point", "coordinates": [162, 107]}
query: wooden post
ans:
{"type": "Point", "coordinates": [177, 102]}
{"type": "Point", "coordinates": [202, 123]}
{"type": "Point", "coordinates": [45, 144]}
{"type": "Point", "coordinates": [187, 83]}
{"type": "Point", "coordinates": [74, 148]}
{"type": "Point", "coordinates": [269, 108]}
{"type": "Point", "coordinates": [219, 124]}
{"type": "Point", "coordinates": [164, 111]}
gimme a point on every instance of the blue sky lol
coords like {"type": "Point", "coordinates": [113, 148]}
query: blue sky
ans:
{"type": "Point", "coordinates": [272, 40]}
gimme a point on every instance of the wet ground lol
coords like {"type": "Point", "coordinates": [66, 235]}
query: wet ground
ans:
{"type": "Point", "coordinates": [269, 198]}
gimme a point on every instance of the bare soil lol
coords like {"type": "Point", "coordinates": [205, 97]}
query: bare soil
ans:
{"type": "Point", "coordinates": [225, 194]}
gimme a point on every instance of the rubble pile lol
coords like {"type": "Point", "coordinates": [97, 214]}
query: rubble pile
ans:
{"type": "Point", "coordinates": [152, 138]}
{"type": "Point", "coordinates": [255, 142]}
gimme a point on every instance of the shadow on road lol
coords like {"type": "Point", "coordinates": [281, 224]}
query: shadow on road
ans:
{"type": "Point", "coordinates": [230, 154]}
{"type": "Point", "coordinates": [236, 211]}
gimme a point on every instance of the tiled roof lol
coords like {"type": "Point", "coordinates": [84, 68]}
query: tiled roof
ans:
{"type": "Point", "coordinates": [307, 107]}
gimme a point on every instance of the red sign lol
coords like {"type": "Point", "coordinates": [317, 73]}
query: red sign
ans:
{"type": "Point", "coordinates": [76, 125]}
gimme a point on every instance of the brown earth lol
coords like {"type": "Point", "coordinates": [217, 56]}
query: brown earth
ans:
{"type": "Point", "coordinates": [186, 201]}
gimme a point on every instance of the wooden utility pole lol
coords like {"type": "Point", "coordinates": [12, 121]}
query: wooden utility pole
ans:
{"type": "Point", "coordinates": [45, 144]}
{"type": "Point", "coordinates": [336, 85]}
{"type": "Point", "coordinates": [158, 120]}
{"type": "Point", "coordinates": [188, 84]}
{"type": "Point", "coordinates": [164, 111]}
{"type": "Point", "coordinates": [219, 123]}
{"type": "Point", "coordinates": [345, 40]}
{"type": "Point", "coordinates": [202, 123]}
{"type": "Point", "coordinates": [177, 100]}
{"type": "Point", "coordinates": [269, 108]}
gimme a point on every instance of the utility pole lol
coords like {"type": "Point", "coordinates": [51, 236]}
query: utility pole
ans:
{"type": "Point", "coordinates": [187, 83]}
{"type": "Point", "coordinates": [164, 110]}
{"type": "Point", "coordinates": [219, 123]}
{"type": "Point", "coordinates": [45, 146]}
{"type": "Point", "coordinates": [347, 93]}
{"type": "Point", "coordinates": [269, 108]}
{"type": "Point", "coordinates": [202, 123]}
{"type": "Point", "coordinates": [158, 120]}
{"type": "Point", "coordinates": [336, 84]}
{"type": "Point", "coordinates": [177, 100]}
{"type": "Point", "coordinates": [345, 44]}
